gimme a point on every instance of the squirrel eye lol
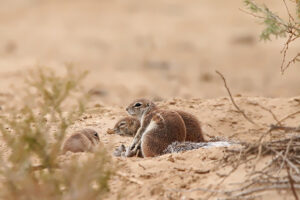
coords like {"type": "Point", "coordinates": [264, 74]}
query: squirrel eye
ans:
{"type": "Point", "coordinates": [96, 134]}
{"type": "Point", "coordinates": [137, 105]}
{"type": "Point", "coordinates": [122, 124]}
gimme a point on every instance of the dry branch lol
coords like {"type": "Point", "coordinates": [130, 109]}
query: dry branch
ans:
{"type": "Point", "coordinates": [285, 154]}
{"type": "Point", "coordinates": [291, 180]}
{"type": "Point", "coordinates": [268, 110]}
{"type": "Point", "coordinates": [260, 189]}
{"type": "Point", "coordinates": [289, 116]}
{"type": "Point", "coordinates": [285, 128]}
{"type": "Point", "coordinates": [232, 100]}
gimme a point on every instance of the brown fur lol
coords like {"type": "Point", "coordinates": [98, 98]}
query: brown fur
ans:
{"type": "Point", "coordinates": [159, 128]}
{"type": "Point", "coordinates": [193, 127]}
{"type": "Point", "coordinates": [127, 126]}
{"type": "Point", "coordinates": [169, 129]}
{"type": "Point", "coordinates": [81, 141]}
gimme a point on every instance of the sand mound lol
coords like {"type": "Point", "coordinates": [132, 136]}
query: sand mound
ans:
{"type": "Point", "coordinates": [178, 175]}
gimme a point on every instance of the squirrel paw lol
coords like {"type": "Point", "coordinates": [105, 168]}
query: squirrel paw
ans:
{"type": "Point", "coordinates": [120, 151]}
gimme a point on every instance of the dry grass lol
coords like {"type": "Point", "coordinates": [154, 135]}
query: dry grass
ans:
{"type": "Point", "coordinates": [34, 131]}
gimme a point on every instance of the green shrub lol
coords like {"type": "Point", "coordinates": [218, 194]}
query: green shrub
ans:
{"type": "Point", "coordinates": [33, 131]}
{"type": "Point", "coordinates": [278, 27]}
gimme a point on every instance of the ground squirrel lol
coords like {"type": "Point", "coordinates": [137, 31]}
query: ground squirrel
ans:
{"type": "Point", "coordinates": [81, 141]}
{"type": "Point", "coordinates": [127, 126]}
{"type": "Point", "coordinates": [193, 127]}
{"type": "Point", "coordinates": [159, 128]}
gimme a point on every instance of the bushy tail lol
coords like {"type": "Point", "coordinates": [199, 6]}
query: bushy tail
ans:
{"type": "Point", "coordinates": [177, 147]}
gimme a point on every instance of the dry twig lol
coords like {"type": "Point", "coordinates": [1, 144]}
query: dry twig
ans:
{"type": "Point", "coordinates": [232, 100]}
{"type": "Point", "coordinates": [285, 154]}
{"type": "Point", "coordinates": [291, 182]}
{"type": "Point", "coordinates": [285, 128]}
{"type": "Point", "coordinates": [268, 110]}
{"type": "Point", "coordinates": [289, 116]}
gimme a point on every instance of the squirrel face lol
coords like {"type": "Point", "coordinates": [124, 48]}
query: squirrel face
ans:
{"type": "Point", "coordinates": [84, 140]}
{"type": "Point", "coordinates": [127, 126]}
{"type": "Point", "coordinates": [140, 106]}
{"type": "Point", "coordinates": [92, 135]}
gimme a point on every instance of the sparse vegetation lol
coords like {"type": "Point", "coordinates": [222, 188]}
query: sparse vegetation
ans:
{"type": "Point", "coordinates": [278, 27]}
{"type": "Point", "coordinates": [33, 132]}
{"type": "Point", "coordinates": [283, 169]}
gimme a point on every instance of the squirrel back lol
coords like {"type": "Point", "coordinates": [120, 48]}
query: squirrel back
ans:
{"type": "Point", "coordinates": [193, 127]}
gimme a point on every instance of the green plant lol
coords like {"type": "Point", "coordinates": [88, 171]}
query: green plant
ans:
{"type": "Point", "coordinates": [278, 27]}
{"type": "Point", "coordinates": [33, 131]}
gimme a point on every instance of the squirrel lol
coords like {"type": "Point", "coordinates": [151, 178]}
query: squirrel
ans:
{"type": "Point", "coordinates": [127, 126]}
{"type": "Point", "coordinates": [83, 140]}
{"type": "Point", "coordinates": [193, 127]}
{"type": "Point", "coordinates": [152, 137]}
{"type": "Point", "coordinates": [159, 128]}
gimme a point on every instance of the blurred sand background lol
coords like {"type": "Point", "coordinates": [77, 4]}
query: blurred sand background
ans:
{"type": "Point", "coordinates": [160, 49]}
{"type": "Point", "coordinates": [166, 50]}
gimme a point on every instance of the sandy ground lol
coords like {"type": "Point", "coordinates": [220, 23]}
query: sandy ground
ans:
{"type": "Point", "coordinates": [164, 50]}
{"type": "Point", "coordinates": [177, 176]}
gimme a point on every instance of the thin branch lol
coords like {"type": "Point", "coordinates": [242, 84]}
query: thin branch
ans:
{"type": "Point", "coordinates": [289, 116]}
{"type": "Point", "coordinates": [288, 11]}
{"type": "Point", "coordinates": [232, 100]}
{"type": "Point", "coordinates": [268, 110]}
{"type": "Point", "coordinates": [252, 14]}
{"type": "Point", "coordinates": [260, 189]}
{"type": "Point", "coordinates": [291, 62]}
{"type": "Point", "coordinates": [291, 182]}
{"type": "Point", "coordinates": [284, 51]}
{"type": "Point", "coordinates": [285, 128]}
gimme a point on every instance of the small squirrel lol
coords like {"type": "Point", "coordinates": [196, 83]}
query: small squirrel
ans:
{"type": "Point", "coordinates": [129, 125]}
{"type": "Point", "coordinates": [159, 128]}
{"type": "Point", "coordinates": [126, 126]}
{"type": "Point", "coordinates": [83, 140]}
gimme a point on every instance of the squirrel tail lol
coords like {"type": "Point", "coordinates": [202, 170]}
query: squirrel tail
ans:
{"type": "Point", "coordinates": [177, 147]}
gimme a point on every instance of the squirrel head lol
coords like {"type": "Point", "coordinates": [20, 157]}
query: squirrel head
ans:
{"type": "Point", "coordinates": [127, 126]}
{"type": "Point", "coordinates": [139, 107]}
{"type": "Point", "coordinates": [91, 134]}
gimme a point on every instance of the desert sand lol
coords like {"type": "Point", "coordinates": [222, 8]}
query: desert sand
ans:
{"type": "Point", "coordinates": [167, 51]}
